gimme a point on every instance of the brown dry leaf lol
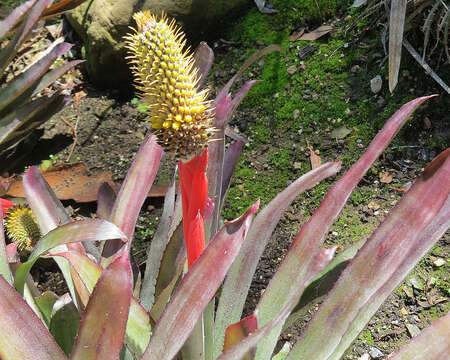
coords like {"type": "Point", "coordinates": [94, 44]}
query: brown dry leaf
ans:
{"type": "Point", "coordinates": [297, 34]}
{"type": "Point", "coordinates": [68, 181]}
{"type": "Point", "coordinates": [385, 177]}
{"type": "Point", "coordinates": [373, 205]}
{"type": "Point", "coordinates": [316, 161]}
{"type": "Point", "coordinates": [317, 33]}
{"type": "Point", "coordinates": [77, 97]}
{"type": "Point", "coordinates": [72, 181]}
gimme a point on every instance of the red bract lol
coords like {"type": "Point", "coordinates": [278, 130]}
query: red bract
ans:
{"type": "Point", "coordinates": [6, 204]}
{"type": "Point", "coordinates": [194, 192]}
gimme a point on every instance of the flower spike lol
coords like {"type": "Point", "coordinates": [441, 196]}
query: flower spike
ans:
{"type": "Point", "coordinates": [165, 74]}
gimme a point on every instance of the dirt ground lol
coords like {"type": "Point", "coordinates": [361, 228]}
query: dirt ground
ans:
{"type": "Point", "coordinates": [110, 128]}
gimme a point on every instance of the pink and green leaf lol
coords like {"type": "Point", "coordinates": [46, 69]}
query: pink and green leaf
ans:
{"type": "Point", "coordinates": [203, 60]}
{"type": "Point", "coordinates": [27, 339]}
{"type": "Point", "coordinates": [433, 341]}
{"type": "Point", "coordinates": [197, 289]}
{"type": "Point", "coordinates": [307, 244]}
{"type": "Point", "coordinates": [102, 328]}
{"type": "Point", "coordinates": [238, 331]}
{"type": "Point", "coordinates": [33, 14]}
{"type": "Point", "coordinates": [12, 92]}
{"type": "Point", "coordinates": [64, 323]}
{"type": "Point", "coordinates": [17, 15]}
{"type": "Point", "coordinates": [420, 218]}
{"type": "Point", "coordinates": [138, 325]}
{"type": "Point", "coordinates": [84, 230]}
{"type": "Point", "coordinates": [237, 283]}
{"type": "Point", "coordinates": [105, 201]}
{"type": "Point", "coordinates": [133, 193]}
{"type": "Point", "coordinates": [157, 246]}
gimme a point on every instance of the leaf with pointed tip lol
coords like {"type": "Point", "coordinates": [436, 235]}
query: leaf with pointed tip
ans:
{"type": "Point", "coordinates": [133, 193]}
{"type": "Point", "coordinates": [49, 213]}
{"type": "Point", "coordinates": [323, 282]}
{"type": "Point", "coordinates": [255, 57]}
{"type": "Point", "coordinates": [60, 8]}
{"type": "Point", "coordinates": [64, 323]}
{"type": "Point", "coordinates": [84, 230]}
{"type": "Point", "coordinates": [10, 95]}
{"type": "Point", "coordinates": [237, 283]}
{"type": "Point", "coordinates": [5, 270]}
{"type": "Point", "coordinates": [105, 201]}
{"type": "Point", "coordinates": [157, 246]}
{"type": "Point", "coordinates": [53, 75]}
{"type": "Point", "coordinates": [308, 242]}
{"type": "Point", "coordinates": [237, 331]}
{"type": "Point", "coordinates": [46, 207]}
{"type": "Point", "coordinates": [138, 325]}
{"type": "Point", "coordinates": [231, 158]}
{"type": "Point", "coordinates": [396, 25]}
{"type": "Point", "coordinates": [13, 46]}
{"type": "Point", "coordinates": [433, 341]}
{"type": "Point", "coordinates": [203, 60]}
{"type": "Point", "coordinates": [410, 230]}
{"type": "Point", "coordinates": [102, 328]}
{"type": "Point", "coordinates": [20, 122]}
{"type": "Point", "coordinates": [7, 24]}
{"type": "Point", "coordinates": [27, 339]}
{"type": "Point", "coordinates": [197, 289]}
{"type": "Point", "coordinates": [45, 303]}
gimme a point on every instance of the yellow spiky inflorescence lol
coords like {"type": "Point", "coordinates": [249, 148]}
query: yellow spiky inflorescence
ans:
{"type": "Point", "coordinates": [165, 74]}
{"type": "Point", "coordinates": [22, 228]}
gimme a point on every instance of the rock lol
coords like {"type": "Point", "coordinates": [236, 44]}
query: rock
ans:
{"type": "Point", "coordinates": [438, 262]}
{"type": "Point", "coordinates": [297, 165]}
{"type": "Point", "coordinates": [375, 353]}
{"type": "Point", "coordinates": [413, 330]}
{"type": "Point", "coordinates": [364, 356]}
{"type": "Point", "coordinates": [292, 69]}
{"type": "Point", "coordinates": [296, 114]}
{"type": "Point", "coordinates": [103, 23]}
{"type": "Point", "coordinates": [375, 84]}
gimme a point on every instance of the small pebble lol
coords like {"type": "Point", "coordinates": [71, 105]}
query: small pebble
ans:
{"type": "Point", "coordinates": [375, 353]}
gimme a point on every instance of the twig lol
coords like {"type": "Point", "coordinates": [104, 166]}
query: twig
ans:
{"type": "Point", "coordinates": [75, 137]}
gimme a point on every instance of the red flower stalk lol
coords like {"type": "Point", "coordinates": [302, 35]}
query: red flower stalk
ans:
{"type": "Point", "coordinates": [194, 193]}
{"type": "Point", "coordinates": [6, 204]}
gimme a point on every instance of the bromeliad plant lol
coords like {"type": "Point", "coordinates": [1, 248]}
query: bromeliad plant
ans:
{"type": "Point", "coordinates": [171, 311]}
{"type": "Point", "coordinates": [21, 109]}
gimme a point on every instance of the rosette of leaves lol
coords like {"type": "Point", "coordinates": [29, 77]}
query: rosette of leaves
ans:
{"type": "Point", "coordinates": [21, 108]}
{"type": "Point", "coordinates": [170, 313]}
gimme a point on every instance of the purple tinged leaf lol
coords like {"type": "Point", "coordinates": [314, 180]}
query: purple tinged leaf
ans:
{"type": "Point", "coordinates": [255, 57]}
{"type": "Point", "coordinates": [5, 270]}
{"type": "Point", "coordinates": [138, 325]}
{"type": "Point", "coordinates": [102, 328]}
{"type": "Point", "coordinates": [323, 282]}
{"type": "Point", "coordinates": [19, 123]}
{"type": "Point", "coordinates": [197, 289]}
{"type": "Point", "coordinates": [133, 193]}
{"type": "Point", "coordinates": [105, 201]}
{"type": "Point", "coordinates": [84, 230]}
{"type": "Point", "coordinates": [27, 339]}
{"type": "Point", "coordinates": [420, 218]}
{"type": "Point", "coordinates": [243, 91]}
{"type": "Point", "coordinates": [11, 49]}
{"type": "Point", "coordinates": [46, 207]}
{"type": "Point", "coordinates": [396, 25]}
{"type": "Point", "coordinates": [237, 283]}
{"type": "Point", "coordinates": [24, 81]}
{"type": "Point", "coordinates": [157, 246]}
{"type": "Point", "coordinates": [203, 60]}
{"type": "Point", "coordinates": [307, 244]}
{"type": "Point", "coordinates": [231, 158]}
{"type": "Point", "coordinates": [7, 24]}
{"type": "Point", "coordinates": [433, 341]}
{"type": "Point", "coordinates": [64, 323]}
{"type": "Point", "coordinates": [53, 75]}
